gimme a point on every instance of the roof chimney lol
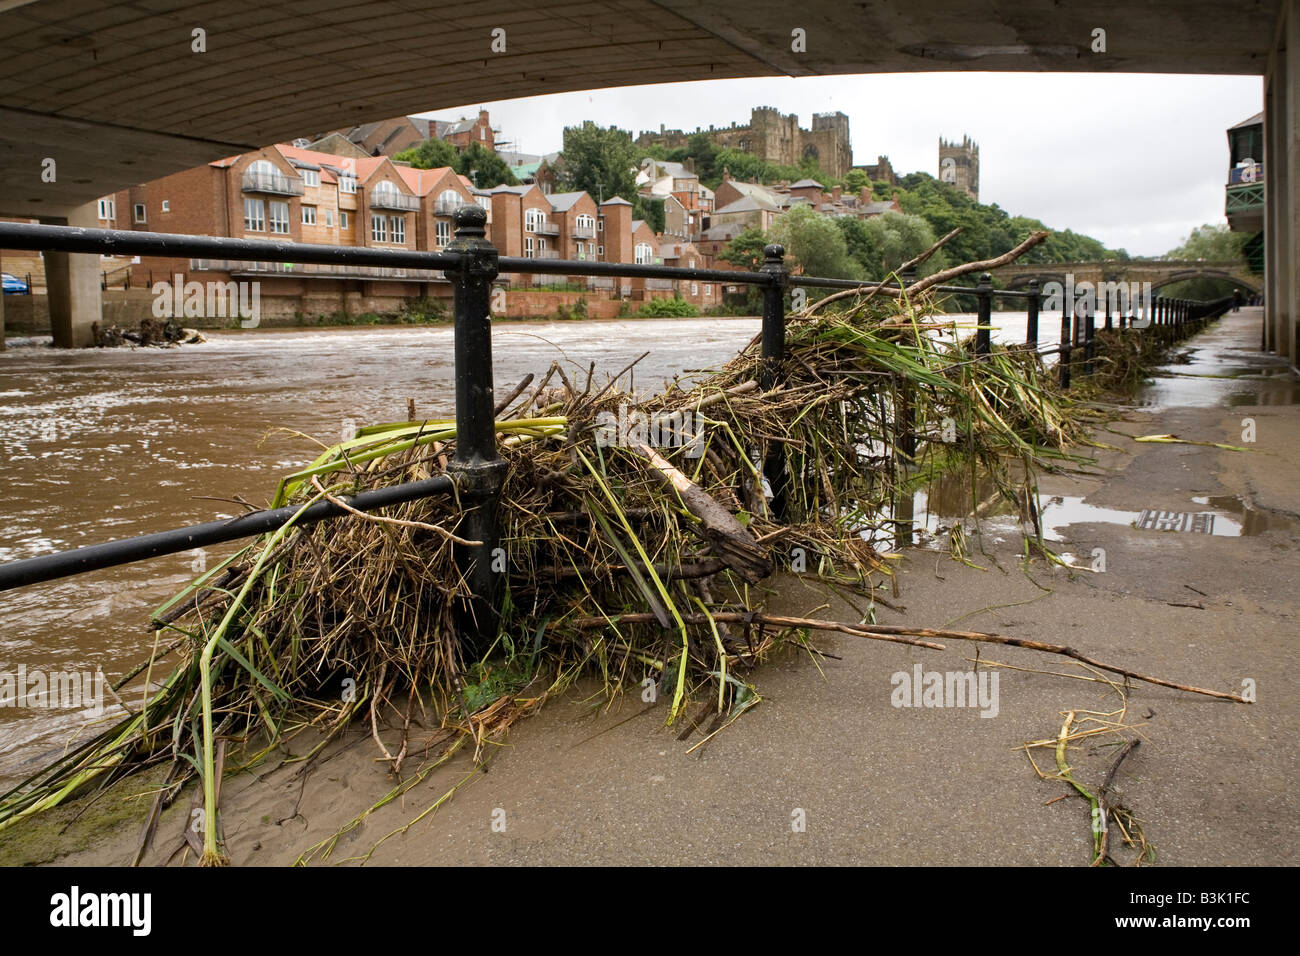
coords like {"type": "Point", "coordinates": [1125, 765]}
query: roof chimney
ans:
{"type": "Point", "coordinates": [835, 194]}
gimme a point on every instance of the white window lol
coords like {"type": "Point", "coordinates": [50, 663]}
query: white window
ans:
{"type": "Point", "coordinates": [347, 183]}
{"type": "Point", "coordinates": [107, 209]}
{"type": "Point", "coordinates": [695, 288]}
{"type": "Point", "coordinates": [528, 247]}
{"type": "Point", "coordinates": [448, 201]}
{"type": "Point", "coordinates": [384, 188]}
{"type": "Point", "coordinates": [600, 226]}
{"type": "Point", "coordinates": [329, 217]}
{"type": "Point", "coordinates": [279, 216]}
{"type": "Point", "coordinates": [442, 231]}
{"type": "Point", "coordinates": [309, 215]}
{"type": "Point", "coordinates": [343, 219]}
{"type": "Point", "coordinates": [482, 132]}
{"type": "Point", "coordinates": [379, 228]}
{"type": "Point", "coordinates": [140, 212]}
{"type": "Point", "coordinates": [484, 201]}
{"type": "Point", "coordinates": [167, 205]}
{"type": "Point", "coordinates": [254, 216]}
{"type": "Point", "coordinates": [708, 288]}
{"type": "Point", "coordinates": [691, 262]}
{"type": "Point", "coordinates": [531, 218]}
{"type": "Point", "coordinates": [311, 177]}
{"type": "Point", "coordinates": [643, 254]}
{"type": "Point", "coordinates": [397, 226]}
{"type": "Point", "coordinates": [582, 254]}
{"type": "Point", "coordinates": [600, 250]}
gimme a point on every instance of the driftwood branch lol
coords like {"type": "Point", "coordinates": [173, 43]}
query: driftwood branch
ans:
{"type": "Point", "coordinates": [913, 263]}
{"type": "Point", "coordinates": [878, 631]}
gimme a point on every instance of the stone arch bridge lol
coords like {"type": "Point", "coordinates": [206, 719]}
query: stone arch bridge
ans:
{"type": "Point", "coordinates": [1158, 272]}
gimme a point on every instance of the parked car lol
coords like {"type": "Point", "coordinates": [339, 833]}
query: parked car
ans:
{"type": "Point", "coordinates": [14, 285]}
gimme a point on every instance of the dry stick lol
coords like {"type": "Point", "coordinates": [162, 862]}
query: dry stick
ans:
{"type": "Point", "coordinates": [740, 617]}
{"type": "Point", "coordinates": [913, 263]}
{"type": "Point", "coordinates": [876, 630]}
{"type": "Point", "coordinates": [610, 384]}
{"type": "Point", "coordinates": [730, 539]}
{"type": "Point", "coordinates": [396, 521]}
{"type": "Point", "coordinates": [514, 393]}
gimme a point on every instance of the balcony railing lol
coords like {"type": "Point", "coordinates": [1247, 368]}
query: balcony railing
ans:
{"type": "Point", "coordinates": [660, 284]}
{"type": "Point", "coordinates": [547, 254]}
{"type": "Point", "coordinates": [316, 270]}
{"type": "Point", "coordinates": [547, 228]}
{"type": "Point", "coordinates": [392, 200]}
{"type": "Point", "coordinates": [274, 183]}
{"type": "Point", "coordinates": [448, 207]}
{"type": "Point", "coordinates": [542, 279]}
{"type": "Point", "coordinates": [600, 282]}
{"type": "Point", "coordinates": [583, 232]}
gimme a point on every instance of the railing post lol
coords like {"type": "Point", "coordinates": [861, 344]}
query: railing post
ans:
{"type": "Point", "coordinates": [1109, 327]}
{"type": "Point", "coordinates": [1067, 335]}
{"type": "Point", "coordinates": [984, 334]}
{"type": "Point", "coordinates": [1089, 340]}
{"type": "Point", "coordinates": [1031, 323]}
{"type": "Point", "coordinates": [773, 353]}
{"type": "Point", "coordinates": [478, 470]}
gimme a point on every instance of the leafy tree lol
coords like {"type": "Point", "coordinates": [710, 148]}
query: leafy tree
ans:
{"type": "Point", "coordinates": [746, 250]}
{"type": "Point", "coordinates": [431, 154]}
{"type": "Point", "coordinates": [855, 180]}
{"type": "Point", "coordinates": [485, 168]}
{"type": "Point", "coordinates": [881, 244]}
{"type": "Point", "coordinates": [1211, 241]}
{"type": "Point", "coordinates": [600, 161]}
{"type": "Point", "coordinates": [815, 244]}
{"type": "Point", "coordinates": [651, 210]}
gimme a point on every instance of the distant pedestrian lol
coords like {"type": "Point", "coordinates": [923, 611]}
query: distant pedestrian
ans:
{"type": "Point", "coordinates": [1236, 300]}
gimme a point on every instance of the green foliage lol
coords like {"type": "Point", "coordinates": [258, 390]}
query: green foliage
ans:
{"type": "Point", "coordinates": [484, 167]}
{"type": "Point", "coordinates": [651, 210]}
{"type": "Point", "coordinates": [881, 244]}
{"type": "Point", "coordinates": [669, 308]}
{"type": "Point", "coordinates": [1211, 241]}
{"type": "Point", "coordinates": [815, 244]}
{"type": "Point", "coordinates": [431, 154]}
{"type": "Point", "coordinates": [746, 250]}
{"type": "Point", "coordinates": [599, 160]}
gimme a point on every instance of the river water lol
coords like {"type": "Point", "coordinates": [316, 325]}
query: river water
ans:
{"type": "Point", "coordinates": [104, 444]}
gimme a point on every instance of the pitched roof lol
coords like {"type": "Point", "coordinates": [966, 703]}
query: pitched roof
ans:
{"type": "Point", "coordinates": [562, 202]}
{"type": "Point", "coordinates": [422, 181]}
{"type": "Point", "coordinates": [616, 201]}
{"type": "Point", "coordinates": [1252, 121]}
{"type": "Point", "coordinates": [805, 183]}
{"type": "Point", "coordinates": [724, 230]}
{"type": "Point", "coordinates": [748, 204]}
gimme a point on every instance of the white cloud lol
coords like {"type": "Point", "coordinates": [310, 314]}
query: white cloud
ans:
{"type": "Point", "coordinates": [1136, 160]}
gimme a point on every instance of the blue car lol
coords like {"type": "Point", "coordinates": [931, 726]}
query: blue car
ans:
{"type": "Point", "coordinates": [14, 285]}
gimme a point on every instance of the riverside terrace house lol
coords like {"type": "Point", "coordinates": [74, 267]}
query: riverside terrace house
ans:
{"type": "Point", "coordinates": [302, 196]}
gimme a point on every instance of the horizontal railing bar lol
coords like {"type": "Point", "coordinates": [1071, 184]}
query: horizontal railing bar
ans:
{"type": "Point", "coordinates": [48, 567]}
{"type": "Point", "coordinates": [21, 235]}
{"type": "Point", "coordinates": [628, 270]}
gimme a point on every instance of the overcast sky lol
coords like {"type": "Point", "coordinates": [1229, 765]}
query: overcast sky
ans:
{"type": "Point", "coordinates": [1135, 160]}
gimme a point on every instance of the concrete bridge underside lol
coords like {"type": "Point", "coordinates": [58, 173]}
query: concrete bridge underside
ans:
{"type": "Point", "coordinates": [117, 94]}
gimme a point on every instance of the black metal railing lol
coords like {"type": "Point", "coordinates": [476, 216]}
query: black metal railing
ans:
{"type": "Point", "coordinates": [472, 264]}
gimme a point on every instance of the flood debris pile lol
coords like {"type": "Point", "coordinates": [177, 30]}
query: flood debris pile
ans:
{"type": "Point", "coordinates": [638, 539]}
{"type": "Point", "coordinates": [151, 333]}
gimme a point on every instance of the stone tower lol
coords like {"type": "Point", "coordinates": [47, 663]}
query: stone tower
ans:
{"type": "Point", "coordinates": [959, 165]}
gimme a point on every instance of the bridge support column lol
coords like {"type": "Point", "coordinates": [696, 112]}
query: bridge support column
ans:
{"type": "Point", "coordinates": [1282, 185]}
{"type": "Point", "coordinates": [72, 286]}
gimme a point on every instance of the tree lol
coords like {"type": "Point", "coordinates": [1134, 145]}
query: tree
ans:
{"type": "Point", "coordinates": [485, 168]}
{"type": "Point", "coordinates": [1211, 241]}
{"type": "Point", "coordinates": [600, 161]}
{"type": "Point", "coordinates": [651, 210]}
{"type": "Point", "coordinates": [815, 244]}
{"type": "Point", "coordinates": [855, 179]}
{"type": "Point", "coordinates": [746, 250]}
{"type": "Point", "coordinates": [431, 154]}
{"type": "Point", "coordinates": [883, 243]}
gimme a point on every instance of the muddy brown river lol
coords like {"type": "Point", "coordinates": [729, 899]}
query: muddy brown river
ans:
{"type": "Point", "coordinates": [97, 445]}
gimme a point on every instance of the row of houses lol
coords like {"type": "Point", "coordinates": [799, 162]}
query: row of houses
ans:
{"type": "Point", "coordinates": [299, 194]}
